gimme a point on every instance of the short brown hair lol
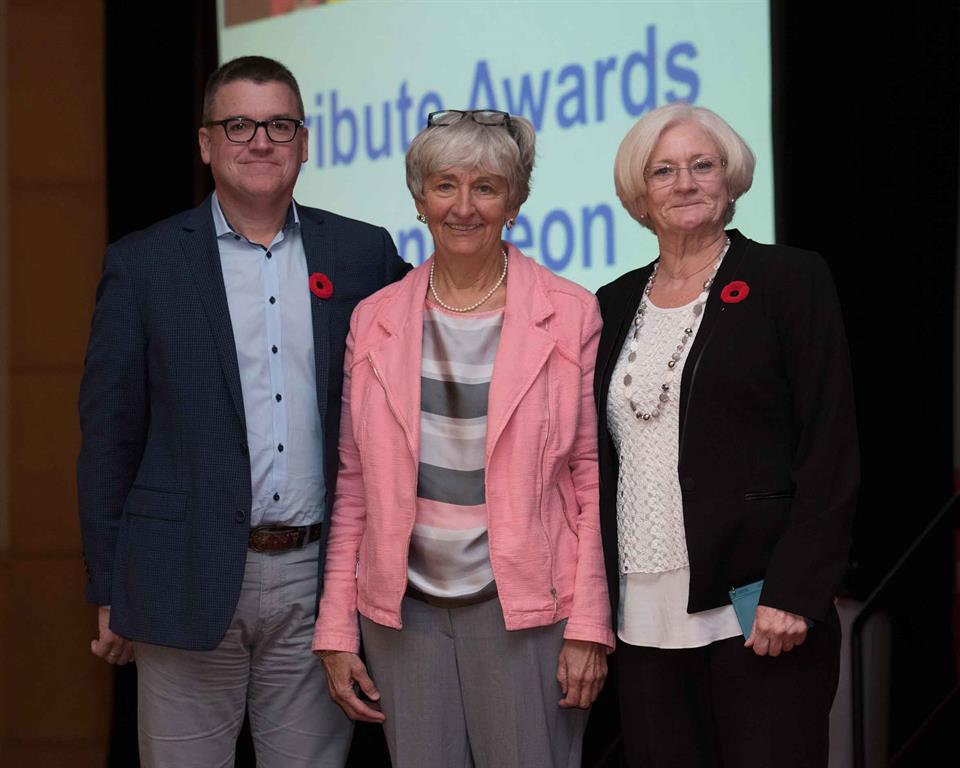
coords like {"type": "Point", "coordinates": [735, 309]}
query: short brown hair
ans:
{"type": "Point", "coordinates": [256, 69]}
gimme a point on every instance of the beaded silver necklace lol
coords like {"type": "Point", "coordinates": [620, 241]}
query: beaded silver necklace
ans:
{"type": "Point", "coordinates": [697, 310]}
{"type": "Point", "coordinates": [436, 298]}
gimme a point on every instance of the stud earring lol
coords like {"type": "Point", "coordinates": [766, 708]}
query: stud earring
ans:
{"type": "Point", "coordinates": [421, 218]}
{"type": "Point", "coordinates": [509, 223]}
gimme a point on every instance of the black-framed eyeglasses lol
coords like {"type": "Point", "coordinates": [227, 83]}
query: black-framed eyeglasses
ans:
{"type": "Point", "coordinates": [481, 116]}
{"type": "Point", "coordinates": [241, 130]}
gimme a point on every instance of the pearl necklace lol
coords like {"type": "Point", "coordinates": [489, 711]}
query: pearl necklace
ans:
{"type": "Point", "coordinates": [472, 307]}
{"type": "Point", "coordinates": [664, 396]}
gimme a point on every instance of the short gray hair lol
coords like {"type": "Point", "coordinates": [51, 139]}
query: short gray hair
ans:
{"type": "Point", "coordinates": [506, 151]}
{"type": "Point", "coordinates": [629, 169]}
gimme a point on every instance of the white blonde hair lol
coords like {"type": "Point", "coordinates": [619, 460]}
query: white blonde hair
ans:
{"type": "Point", "coordinates": [633, 156]}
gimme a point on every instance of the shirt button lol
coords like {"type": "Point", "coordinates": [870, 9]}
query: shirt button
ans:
{"type": "Point", "coordinates": [241, 516]}
{"type": "Point", "coordinates": [280, 447]}
{"type": "Point", "coordinates": [273, 300]}
{"type": "Point", "coordinates": [276, 497]}
{"type": "Point", "coordinates": [279, 397]}
{"type": "Point", "coordinates": [269, 255]}
{"type": "Point", "coordinates": [274, 349]}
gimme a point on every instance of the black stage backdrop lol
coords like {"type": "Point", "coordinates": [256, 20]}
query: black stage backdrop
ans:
{"type": "Point", "coordinates": [866, 119]}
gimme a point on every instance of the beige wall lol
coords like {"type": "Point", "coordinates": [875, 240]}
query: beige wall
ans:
{"type": "Point", "coordinates": [54, 696]}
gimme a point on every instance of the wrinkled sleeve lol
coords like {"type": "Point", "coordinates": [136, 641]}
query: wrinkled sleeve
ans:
{"type": "Point", "coordinates": [590, 615]}
{"type": "Point", "coordinates": [114, 415]}
{"type": "Point", "coordinates": [336, 628]}
{"type": "Point", "coordinates": [808, 562]}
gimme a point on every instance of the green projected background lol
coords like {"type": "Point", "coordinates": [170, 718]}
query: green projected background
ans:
{"type": "Point", "coordinates": [583, 72]}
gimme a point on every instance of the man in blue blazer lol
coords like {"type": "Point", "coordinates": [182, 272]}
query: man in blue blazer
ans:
{"type": "Point", "coordinates": [209, 409]}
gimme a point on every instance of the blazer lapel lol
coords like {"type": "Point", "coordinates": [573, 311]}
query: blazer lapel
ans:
{"type": "Point", "coordinates": [712, 318]}
{"type": "Point", "coordinates": [525, 345]}
{"type": "Point", "coordinates": [199, 243]}
{"type": "Point", "coordinates": [321, 257]}
{"type": "Point", "coordinates": [397, 361]}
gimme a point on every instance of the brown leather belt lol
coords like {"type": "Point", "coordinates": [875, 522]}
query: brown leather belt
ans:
{"type": "Point", "coordinates": [279, 538]}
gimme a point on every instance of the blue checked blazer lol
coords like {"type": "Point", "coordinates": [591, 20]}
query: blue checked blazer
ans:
{"type": "Point", "coordinates": [164, 475]}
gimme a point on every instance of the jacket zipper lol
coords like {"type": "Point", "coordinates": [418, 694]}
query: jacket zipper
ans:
{"type": "Point", "coordinates": [543, 452]}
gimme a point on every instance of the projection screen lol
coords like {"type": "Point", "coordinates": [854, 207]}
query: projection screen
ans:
{"type": "Point", "coordinates": [583, 72]}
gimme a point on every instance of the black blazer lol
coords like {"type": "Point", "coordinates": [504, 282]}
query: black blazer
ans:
{"type": "Point", "coordinates": [164, 474]}
{"type": "Point", "coordinates": [768, 456]}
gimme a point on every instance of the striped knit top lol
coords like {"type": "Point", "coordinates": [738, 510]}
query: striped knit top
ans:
{"type": "Point", "coordinates": [449, 555]}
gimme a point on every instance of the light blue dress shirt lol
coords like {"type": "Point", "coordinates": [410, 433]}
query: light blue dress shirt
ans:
{"type": "Point", "coordinates": [269, 299]}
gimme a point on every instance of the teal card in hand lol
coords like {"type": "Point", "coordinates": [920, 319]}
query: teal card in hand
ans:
{"type": "Point", "coordinates": [745, 600]}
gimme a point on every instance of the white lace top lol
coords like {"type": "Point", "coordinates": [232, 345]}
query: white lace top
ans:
{"type": "Point", "coordinates": [654, 569]}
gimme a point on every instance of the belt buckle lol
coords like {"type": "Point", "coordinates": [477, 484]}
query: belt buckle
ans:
{"type": "Point", "coordinates": [259, 539]}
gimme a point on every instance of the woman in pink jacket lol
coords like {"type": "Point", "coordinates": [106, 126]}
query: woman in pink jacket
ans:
{"type": "Point", "coordinates": [465, 529]}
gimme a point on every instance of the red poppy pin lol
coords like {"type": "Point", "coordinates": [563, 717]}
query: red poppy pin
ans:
{"type": "Point", "coordinates": [735, 292]}
{"type": "Point", "coordinates": [320, 285]}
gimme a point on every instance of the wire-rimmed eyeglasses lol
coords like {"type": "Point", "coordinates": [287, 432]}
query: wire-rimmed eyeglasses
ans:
{"type": "Point", "coordinates": [241, 130]}
{"type": "Point", "coordinates": [703, 169]}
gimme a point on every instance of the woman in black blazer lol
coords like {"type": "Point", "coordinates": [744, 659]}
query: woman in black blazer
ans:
{"type": "Point", "coordinates": [728, 459]}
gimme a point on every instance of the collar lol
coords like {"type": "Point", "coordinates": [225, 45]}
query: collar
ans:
{"type": "Point", "coordinates": [527, 301]}
{"type": "Point", "coordinates": [222, 226]}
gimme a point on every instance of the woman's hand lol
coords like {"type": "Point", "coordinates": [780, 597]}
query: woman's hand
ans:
{"type": "Point", "coordinates": [775, 631]}
{"type": "Point", "coordinates": [581, 672]}
{"type": "Point", "coordinates": [343, 670]}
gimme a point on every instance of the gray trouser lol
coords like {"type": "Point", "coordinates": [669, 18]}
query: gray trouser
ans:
{"type": "Point", "coordinates": [459, 690]}
{"type": "Point", "coordinates": [191, 703]}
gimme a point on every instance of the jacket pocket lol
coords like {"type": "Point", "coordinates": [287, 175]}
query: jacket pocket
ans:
{"type": "Point", "coordinates": [767, 495]}
{"type": "Point", "coordinates": [569, 509]}
{"type": "Point", "coordinates": [161, 505]}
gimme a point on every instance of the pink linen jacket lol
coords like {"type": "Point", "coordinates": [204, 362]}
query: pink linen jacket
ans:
{"type": "Point", "coordinates": [542, 486]}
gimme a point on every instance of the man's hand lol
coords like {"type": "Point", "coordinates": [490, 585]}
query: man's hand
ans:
{"type": "Point", "coordinates": [581, 672]}
{"type": "Point", "coordinates": [109, 646]}
{"type": "Point", "coordinates": [775, 631]}
{"type": "Point", "coordinates": [343, 670]}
